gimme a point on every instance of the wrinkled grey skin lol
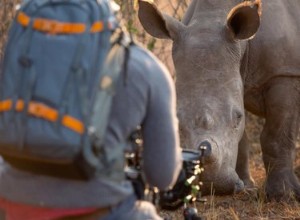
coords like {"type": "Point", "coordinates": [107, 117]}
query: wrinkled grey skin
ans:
{"type": "Point", "coordinates": [219, 70]}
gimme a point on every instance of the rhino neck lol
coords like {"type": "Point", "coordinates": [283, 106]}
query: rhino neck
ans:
{"type": "Point", "coordinates": [200, 8]}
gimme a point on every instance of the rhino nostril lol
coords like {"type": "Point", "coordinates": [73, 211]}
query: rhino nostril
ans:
{"type": "Point", "coordinates": [205, 148]}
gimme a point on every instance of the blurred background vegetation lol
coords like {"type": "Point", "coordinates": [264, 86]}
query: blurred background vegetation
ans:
{"type": "Point", "coordinates": [161, 48]}
{"type": "Point", "coordinates": [6, 14]}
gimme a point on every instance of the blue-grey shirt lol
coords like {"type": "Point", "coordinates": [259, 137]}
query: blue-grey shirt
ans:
{"type": "Point", "coordinates": [147, 99]}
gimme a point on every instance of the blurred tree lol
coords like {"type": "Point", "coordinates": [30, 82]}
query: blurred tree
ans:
{"type": "Point", "coordinates": [7, 11]}
{"type": "Point", "coordinates": [162, 48]}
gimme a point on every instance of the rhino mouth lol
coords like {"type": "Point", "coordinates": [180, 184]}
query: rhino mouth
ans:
{"type": "Point", "coordinates": [222, 184]}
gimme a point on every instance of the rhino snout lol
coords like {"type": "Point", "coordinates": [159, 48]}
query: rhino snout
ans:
{"type": "Point", "coordinates": [209, 152]}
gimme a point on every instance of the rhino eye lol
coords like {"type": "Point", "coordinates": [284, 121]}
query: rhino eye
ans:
{"type": "Point", "coordinates": [237, 118]}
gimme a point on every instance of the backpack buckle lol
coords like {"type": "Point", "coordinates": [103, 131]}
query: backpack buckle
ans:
{"type": "Point", "coordinates": [55, 27]}
{"type": "Point", "coordinates": [42, 111]}
{"type": "Point", "coordinates": [48, 26]}
{"type": "Point", "coordinates": [37, 110]}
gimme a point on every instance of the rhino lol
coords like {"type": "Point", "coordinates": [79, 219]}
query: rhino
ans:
{"type": "Point", "coordinates": [231, 56]}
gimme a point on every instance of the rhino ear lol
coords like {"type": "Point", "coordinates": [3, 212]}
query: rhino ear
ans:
{"type": "Point", "coordinates": [244, 19]}
{"type": "Point", "coordinates": [157, 24]}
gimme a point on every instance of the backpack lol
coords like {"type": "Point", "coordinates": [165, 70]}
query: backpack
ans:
{"type": "Point", "coordinates": [60, 68]}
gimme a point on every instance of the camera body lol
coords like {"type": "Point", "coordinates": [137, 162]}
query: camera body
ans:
{"type": "Point", "coordinates": [186, 189]}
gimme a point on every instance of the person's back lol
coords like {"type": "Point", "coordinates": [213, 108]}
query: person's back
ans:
{"type": "Point", "coordinates": [145, 96]}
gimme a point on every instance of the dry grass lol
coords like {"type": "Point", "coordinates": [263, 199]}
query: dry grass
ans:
{"type": "Point", "coordinates": [243, 206]}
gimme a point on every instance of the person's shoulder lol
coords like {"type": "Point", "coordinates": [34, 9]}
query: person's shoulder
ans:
{"type": "Point", "coordinates": [154, 73]}
{"type": "Point", "coordinates": [146, 63]}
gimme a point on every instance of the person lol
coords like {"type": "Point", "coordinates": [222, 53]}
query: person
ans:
{"type": "Point", "coordinates": [145, 96]}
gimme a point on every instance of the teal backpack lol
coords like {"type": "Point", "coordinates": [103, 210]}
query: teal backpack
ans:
{"type": "Point", "coordinates": [60, 67]}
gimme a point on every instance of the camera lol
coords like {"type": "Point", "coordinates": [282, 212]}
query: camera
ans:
{"type": "Point", "coordinates": [187, 186]}
{"type": "Point", "coordinates": [186, 191]}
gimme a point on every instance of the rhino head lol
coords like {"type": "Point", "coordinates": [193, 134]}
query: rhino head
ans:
{"type": "Point", "coordinates": [208, 51]}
